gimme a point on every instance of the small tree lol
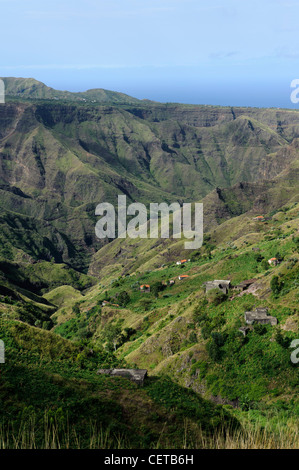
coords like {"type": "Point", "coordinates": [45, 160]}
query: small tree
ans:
{"type": "Point", "coordinates": [206, 331]}
{"type": "Point", "coordinates": [219, 338]}
{"type": "Point", "coordinates": [216, 297]}
{"type": "Point", "coordinates": [145, 304]}
{"type": "Point", "coordinates": [214, 351]}
{"type": "Point", "coordinates": [260, 329]}
{"type": "Point", "coordinates": [214, 346]}
{"type": "Point", "coordinates": [46, 325]}
{"type": "Point", "coordinates": [113, 335]}
{"type": "Point", "coordinates": [192, 337]}
{"type": "Point", "coordinates": [264, 264]}
{"type": "Point", "coordinates": [76, 309]}
{"type": "Point", "coordinates": [157, 287]}
{"type": "Point", "coordinates": [280, 339]}
{"type": "Point", "coordinates": [275, 285]}
{"type": "Point", "coordinates": [123, 298]}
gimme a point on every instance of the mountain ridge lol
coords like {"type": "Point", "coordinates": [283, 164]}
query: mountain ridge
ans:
{"type": "Point", "coordinates": [33, 89]}
{"type": "Point", "coordinates": [58, 160]}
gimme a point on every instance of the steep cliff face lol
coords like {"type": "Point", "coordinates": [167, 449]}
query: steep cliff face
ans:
{"type": "Point", "coordinates": [59, 160]}
{"type": "Point", "coordinates": [181, 155]}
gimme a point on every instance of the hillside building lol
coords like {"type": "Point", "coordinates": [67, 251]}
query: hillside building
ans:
{"type": "Point", "coordinates": [259, 315]}
{"type": "Point", "coordinates": [136, 375]}
{"type": "Point", "coordinates": [222, 285]}
{"type": "Point", "coordinates": [183, 276]}
{"type": "Point", "coordinates": [273, 261]}
{"type": "Point", "coordinates": [145, 288]}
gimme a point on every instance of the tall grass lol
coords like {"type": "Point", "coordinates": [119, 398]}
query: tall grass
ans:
{"type": "Point", "coordinates": [254, 438]}
{"type": "Point", "coordinates": [54, 435]}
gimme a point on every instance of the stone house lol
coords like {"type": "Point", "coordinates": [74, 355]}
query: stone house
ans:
{"type": "Point", "coordinates": [222, 285]}
{"type": "Point", "coordinates": [245, 284]}
{"type": "Point", "coordinates": [136, 375]}
{"type": "Point", "coordinates": [259, 315]}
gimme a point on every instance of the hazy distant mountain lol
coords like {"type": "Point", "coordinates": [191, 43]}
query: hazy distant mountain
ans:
{"type": "Point", "coordinates": [32, 89]}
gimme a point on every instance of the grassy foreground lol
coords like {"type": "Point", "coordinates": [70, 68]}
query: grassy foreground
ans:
{"type": "Point", "coordinates": [58, 436]}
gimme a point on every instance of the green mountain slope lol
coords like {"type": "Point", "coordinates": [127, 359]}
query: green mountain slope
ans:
{"type": "Point", "coordinates": [59, 161]}
{"type": "Point", "coordinates": [194, 338]}
{"type": "Point", "coordinates": [51, 398]}
{"type": "Point", "coordinates": [29, 88]}
{"type": "Point", "coordinates": [61, 154]}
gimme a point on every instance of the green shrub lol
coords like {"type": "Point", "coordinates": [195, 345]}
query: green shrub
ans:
{"type": "Point", "coordinates": [216, 297]}
{"type": "Point", "coordinates": [276, 285]}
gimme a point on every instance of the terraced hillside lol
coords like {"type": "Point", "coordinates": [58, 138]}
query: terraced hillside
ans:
{"type": "Point", "coordinates": [62, 289]}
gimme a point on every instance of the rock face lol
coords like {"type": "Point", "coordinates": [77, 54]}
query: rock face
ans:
{"type": "Point", "coordinates": [136, 375]}
{"type": "Point", "coordinates": [58, 160]}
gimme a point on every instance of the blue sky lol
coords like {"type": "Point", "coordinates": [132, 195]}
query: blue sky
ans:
{"type": "Point", "coordinates": [227, 52]}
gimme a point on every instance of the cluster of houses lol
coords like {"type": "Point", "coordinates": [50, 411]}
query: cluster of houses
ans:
{"type": "Point", "coordinates": [146, 288]}
{"type": "Point", "coordinates": [222, 285]}
{"type": "Point", "coordinates": [259, 315]}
